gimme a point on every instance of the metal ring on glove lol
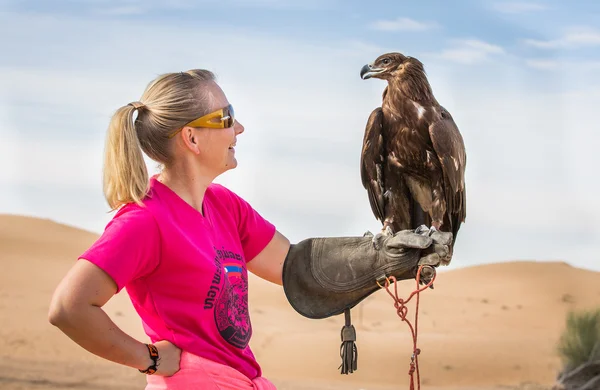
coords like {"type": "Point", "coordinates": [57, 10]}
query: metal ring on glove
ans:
{"type": "Point", "coordinates": [387, 279]}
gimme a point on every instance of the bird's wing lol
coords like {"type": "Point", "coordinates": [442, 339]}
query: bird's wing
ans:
{"type": "Point", "coordinates": [450, 149]}
{"type": "Point", "coordinates": [371, 163]}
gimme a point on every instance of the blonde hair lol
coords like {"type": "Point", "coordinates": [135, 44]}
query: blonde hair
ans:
{"type": "Point", "coordinates": [168, 103]}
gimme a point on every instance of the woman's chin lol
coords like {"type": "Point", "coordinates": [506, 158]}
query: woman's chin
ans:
{"type": "Point", "coordinates": [231, 163]}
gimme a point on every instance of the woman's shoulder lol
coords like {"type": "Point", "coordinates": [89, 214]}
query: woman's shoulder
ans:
{"type": "Point", "coordinates": [222, 193]}
{"type": "Point", "coordinates": [134, 214]}
{"type": "Point", "coordinates": [226, 198]}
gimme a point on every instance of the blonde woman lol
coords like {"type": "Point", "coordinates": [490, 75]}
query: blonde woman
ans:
{"type": "Point", "coordinates": [182, 246]}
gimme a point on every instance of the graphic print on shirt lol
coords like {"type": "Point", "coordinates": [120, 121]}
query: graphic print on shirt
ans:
{"type": "Point", "coordinates": [230, 301]}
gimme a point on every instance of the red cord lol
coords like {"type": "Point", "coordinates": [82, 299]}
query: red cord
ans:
{"type": "Point", "coordinates": [402, 311]}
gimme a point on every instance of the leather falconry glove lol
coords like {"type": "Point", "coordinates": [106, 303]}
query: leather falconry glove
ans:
{"type": "Point", "coordinates": [323, 277]}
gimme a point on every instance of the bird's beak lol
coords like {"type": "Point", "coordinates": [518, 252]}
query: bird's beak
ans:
{"type": "Point", "coordinates": [368, 71]}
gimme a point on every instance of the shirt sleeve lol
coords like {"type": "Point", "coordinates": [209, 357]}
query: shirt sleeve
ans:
{"type": "Point", "coordinates": [129, 247]}
{"type": "Point", "coordinates": [255, 231]}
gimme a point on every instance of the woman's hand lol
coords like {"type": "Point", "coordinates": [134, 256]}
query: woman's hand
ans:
{"type": "Point", "coordinates": [169, 356]}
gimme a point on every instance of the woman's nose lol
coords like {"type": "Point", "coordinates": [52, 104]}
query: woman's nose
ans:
{"type": "Point", "coordinates": [239, 128]}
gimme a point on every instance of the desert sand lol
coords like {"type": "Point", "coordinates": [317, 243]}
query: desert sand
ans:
{"type": "Point", "coordinates": [482, 327]}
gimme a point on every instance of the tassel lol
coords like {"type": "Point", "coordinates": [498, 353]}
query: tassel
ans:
{"type": "Point", "coordinates": [348, 350]}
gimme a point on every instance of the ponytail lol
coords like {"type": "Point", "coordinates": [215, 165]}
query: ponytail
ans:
{"type": "Point", "coordinates": [125, 174]}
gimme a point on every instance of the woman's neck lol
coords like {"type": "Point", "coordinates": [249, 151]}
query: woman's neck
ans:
{"type": "Point", "coordinates": [189, 184]}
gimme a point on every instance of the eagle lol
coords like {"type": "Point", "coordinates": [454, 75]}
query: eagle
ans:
{"type": "Point", "coordinates": [413, 156]}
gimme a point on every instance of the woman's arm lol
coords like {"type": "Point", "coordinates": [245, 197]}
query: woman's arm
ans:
{"type": "Point", "coordinates": [268, 264]}
{"type": "Point", "coordinates": [76, 309]}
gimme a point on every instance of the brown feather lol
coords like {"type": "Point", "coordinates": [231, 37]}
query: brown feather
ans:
{"type": "Point", "coordinates": [371, 163]}
{"type": "Point", "coordinates": [449, 146]}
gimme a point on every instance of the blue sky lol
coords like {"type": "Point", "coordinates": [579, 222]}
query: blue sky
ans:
{"type": "Point", "coordinates": [520, 78]}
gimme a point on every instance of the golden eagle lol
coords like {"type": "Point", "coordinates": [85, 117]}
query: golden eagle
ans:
{"type": "Point", "coordinates": [413, 156]}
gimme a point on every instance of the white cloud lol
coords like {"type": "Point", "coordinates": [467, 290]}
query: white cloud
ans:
{"type": "Point", "coordinates": [572, 65]}
{"type": "Point", "coordinates": [518, 7]}
{"type": "Point", "coordinates": [361, 50]}
{"type": "Point", "coordinates": [121, 10]}
{"type": "Point", "coordinates": [287, 4]}
{"type": "Point", "coordinates": [142, 6]}
{"type": "Point", "coordinates": [469, 51]}
{"type": "Point", "coordinates": [543, 64]}
{"type": "Point", "coordinates": [402, 24]}
{"type": "Point", "coordinates": [573, 38]}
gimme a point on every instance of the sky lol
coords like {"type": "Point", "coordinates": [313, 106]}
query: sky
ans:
{"type": "Point", "coordinates": [521, 79]}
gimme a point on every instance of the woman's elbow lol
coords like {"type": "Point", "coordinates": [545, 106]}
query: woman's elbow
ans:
{"type": "Point", "coordinates": [58, 312]}
{"type": "Point", "coordinates": [85, 285]}
{"type": "Point", "coordinates": [63, 308]}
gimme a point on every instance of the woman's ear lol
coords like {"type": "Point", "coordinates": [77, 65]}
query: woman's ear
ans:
{"type": "Point", "coordinates": [190, 139]}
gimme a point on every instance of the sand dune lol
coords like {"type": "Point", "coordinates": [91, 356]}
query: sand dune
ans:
{"type": "Point", "coordinates": [483, 327]}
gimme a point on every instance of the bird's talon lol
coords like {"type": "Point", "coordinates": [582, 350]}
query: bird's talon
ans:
{"type": "Point", "coordinates": [377, 238]}
{"type": "Point", "coordinates": [375, 244]}
{"type": "Point", "coordinates": [375, 241]}
{"type": "Point", "coordinates": [422, 229]}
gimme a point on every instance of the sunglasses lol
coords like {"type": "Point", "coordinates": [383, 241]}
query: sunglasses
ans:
{"type": "Point", "coordinates": [223, 118]}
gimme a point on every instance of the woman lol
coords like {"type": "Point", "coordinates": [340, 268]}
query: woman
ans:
{"type": "Point", "coordinates": [182, 246]}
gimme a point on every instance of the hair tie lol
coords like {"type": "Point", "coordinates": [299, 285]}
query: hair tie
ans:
{"type": "Point", "coordinates": [137, 105]}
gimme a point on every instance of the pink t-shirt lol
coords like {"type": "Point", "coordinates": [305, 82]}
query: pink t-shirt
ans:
{"type": "Point", "coordinates": [185, 272]}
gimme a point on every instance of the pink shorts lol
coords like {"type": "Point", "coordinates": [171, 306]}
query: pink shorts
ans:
{"type": "Point", "coordinates": [196, 372]}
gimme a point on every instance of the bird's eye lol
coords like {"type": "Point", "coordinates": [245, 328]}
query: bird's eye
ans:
{"type": "Point", "coordinates": [385, 61]}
